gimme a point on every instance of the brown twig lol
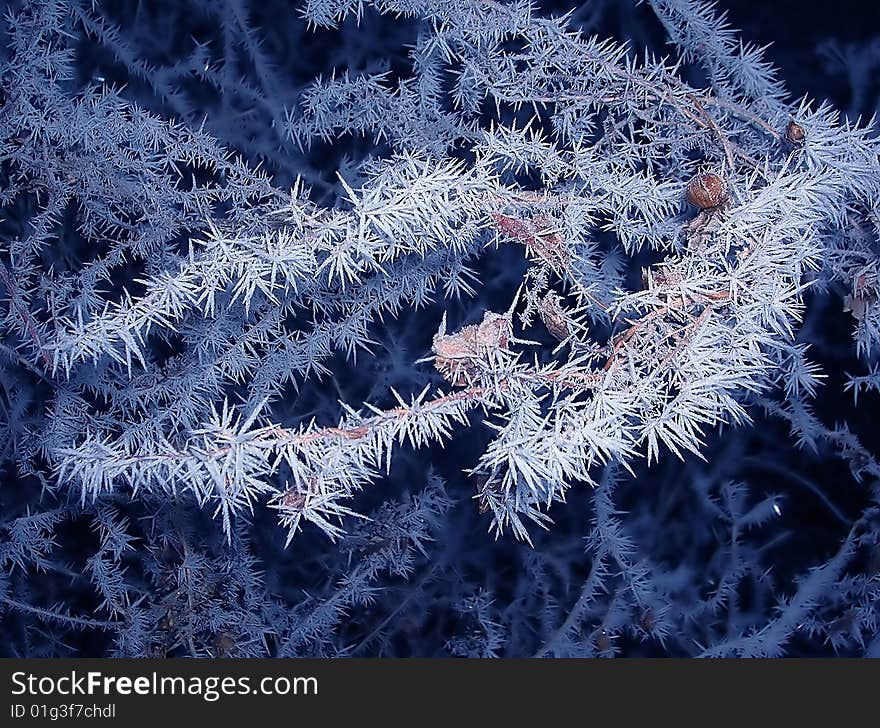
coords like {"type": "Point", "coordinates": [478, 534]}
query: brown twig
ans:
{"type": "Point", "coordinates": [24, 314]}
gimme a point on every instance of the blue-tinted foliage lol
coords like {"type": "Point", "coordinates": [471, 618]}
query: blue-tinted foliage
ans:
{"type": "Point", "coordinates": [396, 327]}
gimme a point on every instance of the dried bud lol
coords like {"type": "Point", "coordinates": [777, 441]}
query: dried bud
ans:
{"type": "Point", "coordinates": [554, 318]}
{"type": "Point", "coordinates": [647, 620]}
{"type": "Point", "coordinates": [457, 355]}
{"type": "Point", "coordinates": [795, 133]}
{"type": "Point", "coordinates": [295, 499]}
{"type": "Point", "coordinates": [706, 191]}
{"type": "Point", "coordinates": [855, 305]}
{"type": "Point", "coordinates": [292, 500]}
{"type": "Point", "coordinates": [224, 643]}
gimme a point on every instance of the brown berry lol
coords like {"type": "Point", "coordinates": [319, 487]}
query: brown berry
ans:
{"type": "Point", "coordinates": [795, 133]}
{"type": "Point", "coordinates": [706, 191]}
